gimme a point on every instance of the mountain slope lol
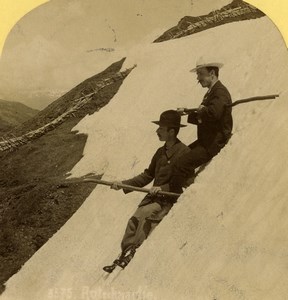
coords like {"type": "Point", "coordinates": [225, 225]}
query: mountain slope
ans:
{"type": "Point", "coordinates": [34, 202]}
{"type": "Point", "coordinates": [13, 114]}
{"type": "Point", "coordinates": [226, 237]}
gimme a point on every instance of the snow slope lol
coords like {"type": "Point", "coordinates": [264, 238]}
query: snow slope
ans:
{"type": "Point", "coordinates": [227, 236]}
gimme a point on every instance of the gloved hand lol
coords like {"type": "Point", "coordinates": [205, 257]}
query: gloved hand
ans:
{"type": "Point", "coordinates": [154, 190]}
{"type": "Point", "coordinates": [115, 185]}
{"type": "Point", "coordinates": [181, 111]}
{"type": "Point", "coordinates": [200, 107]}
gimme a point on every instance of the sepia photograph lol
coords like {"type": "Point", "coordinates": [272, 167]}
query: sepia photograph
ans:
{"type": "Point", "coordinates": [143, 150]}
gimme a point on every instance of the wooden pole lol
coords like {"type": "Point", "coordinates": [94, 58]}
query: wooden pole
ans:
{"type": "Point", "coordinates": [269, 97]}
{"type": "Point", "coordinates": [184, 111]}
{"type": "Point", "coordinates": [130, 187]}
{"type": "Point", "coordinates": [123, 186]}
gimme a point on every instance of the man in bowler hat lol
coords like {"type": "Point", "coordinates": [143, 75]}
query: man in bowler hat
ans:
{"type": "Point", "coordinates": [153, 207]}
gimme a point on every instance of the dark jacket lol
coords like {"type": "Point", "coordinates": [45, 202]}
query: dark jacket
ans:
{"type": "Point", "coordinates": [160, 168]}
{"type": "Point", "coordinates": [215, 129]}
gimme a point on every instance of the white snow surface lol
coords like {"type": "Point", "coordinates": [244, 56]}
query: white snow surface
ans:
{"type": "Point", "coordinates": [226, 238]}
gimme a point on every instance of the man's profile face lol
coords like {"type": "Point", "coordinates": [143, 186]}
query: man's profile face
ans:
{"type": "Point", "coordinates": [204, 77]}
{"type": "Point", "coordinates": [163, 133]}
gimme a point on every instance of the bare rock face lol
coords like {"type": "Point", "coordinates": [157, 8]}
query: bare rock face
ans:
{"type": "Point", "coordinates": [237, 10]}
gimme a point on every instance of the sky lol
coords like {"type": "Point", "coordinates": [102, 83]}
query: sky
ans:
{"type": "Point", "coordinates": [61, 43]}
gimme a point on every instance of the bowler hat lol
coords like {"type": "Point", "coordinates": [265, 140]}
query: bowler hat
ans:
{"type": "Point", "coordinates": [202, 63]}
{"type": "Point", "coordinates": [169, 118]}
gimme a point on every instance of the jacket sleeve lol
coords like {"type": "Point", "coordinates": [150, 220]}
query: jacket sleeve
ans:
{"type": "Point", "coordinates": [144, 178]}
{"type": "Point", "coordinates": [215, 108]}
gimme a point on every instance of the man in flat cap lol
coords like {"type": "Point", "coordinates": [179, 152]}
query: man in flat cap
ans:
{"type": "Point", "coordinates": [214, 124]}
{"type": "Point", "coordinates": [153, 207]}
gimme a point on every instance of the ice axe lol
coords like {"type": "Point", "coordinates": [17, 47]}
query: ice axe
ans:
{"type": "Point", "coordinates": [184, 111]}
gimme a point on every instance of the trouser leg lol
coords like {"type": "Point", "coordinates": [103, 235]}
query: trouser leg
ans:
{"type": "Point", "coordinates": [138, 227]}
{"type": "Point", "coordinates": [157, 217]}
{"type": "Point", "coordinates": [185, 166]}
{"type": "Point", "coordinates": [130, 230]}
